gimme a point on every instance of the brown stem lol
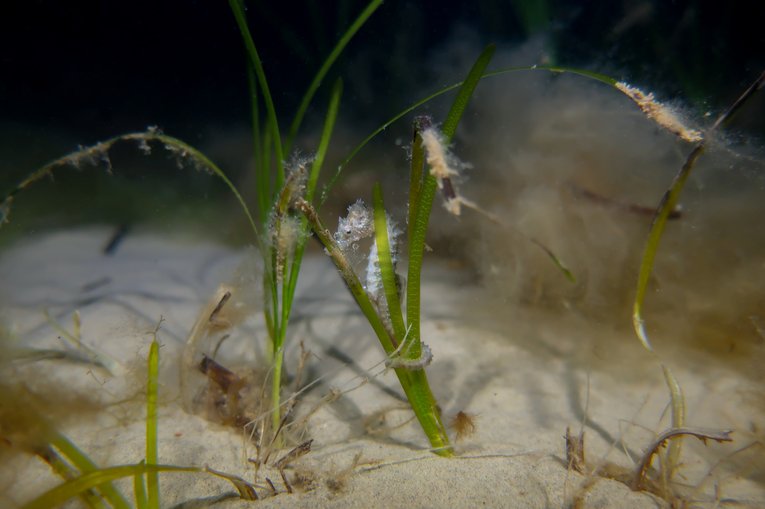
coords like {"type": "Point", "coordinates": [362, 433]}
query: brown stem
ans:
{"type": "Point", "coordinates": [703, 435]}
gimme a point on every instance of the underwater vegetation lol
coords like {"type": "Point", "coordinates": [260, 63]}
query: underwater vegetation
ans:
{"type": "Point", "coordinates": [530, 261]}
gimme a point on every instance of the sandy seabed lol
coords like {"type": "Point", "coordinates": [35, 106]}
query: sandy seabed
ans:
{"type": "Point", "coordinates": [524, 383]}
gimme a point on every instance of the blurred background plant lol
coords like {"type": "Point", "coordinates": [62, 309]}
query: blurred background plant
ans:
{"type": "Point", "coordinates": [79, 72]}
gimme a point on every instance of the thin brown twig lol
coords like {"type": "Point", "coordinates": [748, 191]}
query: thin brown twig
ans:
{"type": "Point", "coordinates": [701, 434]}
{"type": "Point", "coordinates": [215, 312]}
{"type": "Point", "coordinates": [728, 114]}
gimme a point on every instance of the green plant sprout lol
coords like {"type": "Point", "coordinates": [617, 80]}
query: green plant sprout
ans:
{"type": "Point", "coordinates": [152, 457]}
{"type": "Point", "coordinates": [282, 244]}
{"type": "Point", "coordinates": [94, 485]}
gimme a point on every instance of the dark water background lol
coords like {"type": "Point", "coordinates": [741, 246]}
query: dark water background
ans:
{"type": "Point", "coordinates": [79, 72]}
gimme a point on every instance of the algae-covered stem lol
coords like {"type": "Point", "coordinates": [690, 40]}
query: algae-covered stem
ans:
{"type": "Point", "coordinates": [423, 187]}
{"type": "Point", "coordinates": [413, 381]}
{"type": "Point", "coordinates": [347, 273]}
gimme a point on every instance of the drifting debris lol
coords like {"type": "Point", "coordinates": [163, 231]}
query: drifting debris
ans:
{"type": "Point", "coordinates": [337, 482]}
{"type": "Point", "coordinates": [399, 361]}
{"type": "Point", "coordinates": [354, 227]}
{"type": "Point", "coordinates": [116, 239]}
{"type": "Point", "coordinates": [660, 113]}
{"type": "Point", "coordinates": [374, 284]}
{"type": "Point", "coordinates": [463, 425]}
{"type": "Point", "coordinates": [575, 451]}
{"type": "Point", "coordinates": [445, 168]}
{"type": "Point", "coordinates": [284, 461]}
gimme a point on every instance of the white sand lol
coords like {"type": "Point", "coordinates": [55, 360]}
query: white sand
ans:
{"type": "Point", "coordinates": [526, 384]}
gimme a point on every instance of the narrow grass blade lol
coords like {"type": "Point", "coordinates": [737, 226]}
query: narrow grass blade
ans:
{"type": "Point", "coordinates": [449, 126]}
{"type": "Point", "coordinates": [260, 147]}
{"type": "Point", "coordinates": [293, 269]}
{"type": "Point", "coordinates": [427, 193]}
{"type": "Point", "coordinates": [416, 384]}
{"type": "Point", "coordinates": [245, 489]}
{"type": "Point", "coordinates": [728, 114]}
{"type": "Point", "coordinates": [320, 75]}
{"type": "Point", "coordinates": [387, 271]}
{"type": "Point", "coordinates": [313, 178]}
{"type": "Point", "coordinates": [237, 8]}
{"type": "Point", "coordinates": [152, 482]}
{"type": "Point", "coordinates": [678, 418]}
{"type": "Point", "coordinates": [416, 166]}
{"type": "Point", "coordinates": [416, 252]}
{"type": "Point", "coordinates": [426, 409]}
{"type": "Point", "coordinates": [104, 476]}
{"type": "Point", "coordinates": [95, 154]}
{"type": "Point", "coordinates": [555, 259]}
{"type": "Point", "coordinates": [264, 175]}
{"type": "Point", "coordinates": [326, 135]}
{"type": "Point", "coordinates": [64, 470]}
{"type": "Point", "coordinates": [85, 465]}
{"type": "Point", "coordinates": [665, 208]}
{"type": "Point", "coordinates": [139, 491]}
{"type": "Point", "coordinates": [607, 80]}
{"type": "Point", "coordinates": [97, 478]}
